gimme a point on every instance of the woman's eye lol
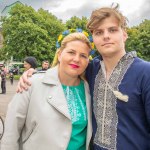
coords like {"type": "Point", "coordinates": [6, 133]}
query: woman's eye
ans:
{"type": "Point", "coordinates": [84, 56]}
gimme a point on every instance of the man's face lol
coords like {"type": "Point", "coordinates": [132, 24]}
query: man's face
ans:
{"type": "Point", "coordinates": [109, 38]}
{"type": "Point", "coordinates": [45, 65]}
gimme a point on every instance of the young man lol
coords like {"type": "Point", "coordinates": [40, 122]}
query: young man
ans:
{"type": "Point", "coordinates": [120, 87]}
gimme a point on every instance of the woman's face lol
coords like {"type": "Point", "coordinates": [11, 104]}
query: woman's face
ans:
{"type": "Point", "coordinates": [26, 65]}
{"type": "Point", "coordinates": [73, 59]}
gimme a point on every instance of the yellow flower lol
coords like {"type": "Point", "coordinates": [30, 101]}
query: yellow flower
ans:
{"type": "Point", "coordinates": [90, 57]}
{"type": "Point", "coordinates": [92, 45]}
{"type": "Point", "coordinates": [72, 30]}
{"type": "Point", "coordinates": [85, 33]}
{"type": "Point", "coordinates": [60, 37]}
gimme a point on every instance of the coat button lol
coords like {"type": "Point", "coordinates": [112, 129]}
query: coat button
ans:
{"type": "Point", "coordinates": [50, 97]}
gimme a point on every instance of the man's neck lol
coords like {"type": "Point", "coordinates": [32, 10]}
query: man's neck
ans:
{"type": "Point", "coordinates": [111, 62]}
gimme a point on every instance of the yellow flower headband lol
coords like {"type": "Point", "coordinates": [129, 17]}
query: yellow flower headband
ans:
{"type": "Point", "coordinates": [65, 33]}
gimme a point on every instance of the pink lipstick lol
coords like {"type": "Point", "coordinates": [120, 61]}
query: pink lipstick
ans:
{"type": "Point", "coordinates": [74, 66]}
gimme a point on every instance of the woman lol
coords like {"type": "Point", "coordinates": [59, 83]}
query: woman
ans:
{"type": "Point", "coordinates": [30, 62]}
{"type": "Point", "coordinates": [55, 111]}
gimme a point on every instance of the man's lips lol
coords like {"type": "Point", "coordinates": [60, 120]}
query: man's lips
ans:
{"type": "Point", "coordinates": [105, 44]}
{"type": "Point", "coordinates": [74, 66]}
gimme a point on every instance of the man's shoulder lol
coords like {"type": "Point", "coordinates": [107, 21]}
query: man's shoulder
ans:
{"type": "Point", "coordinates": [96, 59]}
{"type": "Point", "coordinates": [141, 66]}
{"type": "Point", "coordinates": [142, 63]}
{"type": "Point", "coordinates": [93, 68]}
{"type": "Point", "coordinates": [95, 62]}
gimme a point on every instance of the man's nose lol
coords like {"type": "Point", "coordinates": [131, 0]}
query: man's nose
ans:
{"type": "Point", "coordinates": [106, 34]}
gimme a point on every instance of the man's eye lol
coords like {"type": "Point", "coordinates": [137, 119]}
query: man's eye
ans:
{"type": "Point", "coordinates": [112, 30]}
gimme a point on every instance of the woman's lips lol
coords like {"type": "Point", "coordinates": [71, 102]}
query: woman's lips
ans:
{"type": "Point", "coordinates": [74, 66]}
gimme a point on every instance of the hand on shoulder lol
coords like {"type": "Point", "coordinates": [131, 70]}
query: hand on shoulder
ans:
{"type": "Point", "coordinates": [24, 82]}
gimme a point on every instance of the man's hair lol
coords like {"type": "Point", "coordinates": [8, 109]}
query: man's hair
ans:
{"type": "Point", "coordinates": [45, 61]}
{"type": "Point", "coordinates": [100, 14]}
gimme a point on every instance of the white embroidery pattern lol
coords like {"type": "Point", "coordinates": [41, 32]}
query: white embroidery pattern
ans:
{"type": "Point", "coordinates": [105, 103]}
{"type": "Point", "coordinates": [75, 104]}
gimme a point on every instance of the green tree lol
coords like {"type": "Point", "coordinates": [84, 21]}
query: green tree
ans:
{"type": "Point", "coordinates": [138, 39]}
{"type": "Point", "coordinates": [76, 22]}
{"type": "Point", "coordinates": [30, 33]}
{"type": "Point", "coordinates": [144, 38]}
{"type": "Point", "coordinates": [132, 41]}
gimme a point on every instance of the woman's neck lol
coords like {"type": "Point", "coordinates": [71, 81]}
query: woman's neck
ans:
{"type": "Point", "coordinates": [69, 81]}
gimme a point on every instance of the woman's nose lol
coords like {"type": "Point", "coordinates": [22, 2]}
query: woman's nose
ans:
{"type": "Point", "coordinates": [76, 58]}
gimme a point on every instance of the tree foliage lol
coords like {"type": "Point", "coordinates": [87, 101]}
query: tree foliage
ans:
{"type": "Point", "coordinates": [76, 22]}
{"type": "Point", "coordinates": [30, 33]}
{"type": "Point", "coordinates": [139, 39]}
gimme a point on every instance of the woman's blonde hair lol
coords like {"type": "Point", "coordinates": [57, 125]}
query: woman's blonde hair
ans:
{"type": "Point", "coordinates": [99, 15]}
{"type": "Point", "coordinates": [77, 36]}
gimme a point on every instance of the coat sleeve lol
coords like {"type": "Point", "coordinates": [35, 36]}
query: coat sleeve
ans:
{"type": "Point", "coordinates": [15, 120]}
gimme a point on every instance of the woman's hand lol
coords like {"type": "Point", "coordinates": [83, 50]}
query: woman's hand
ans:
{"type": "Point", "coordinates": [24, 82]}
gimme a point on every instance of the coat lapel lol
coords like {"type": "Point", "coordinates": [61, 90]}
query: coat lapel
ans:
{"type": "Point", "coordinates": [56, 98]}
{"type": "Point", "coordinates": [58, 101]}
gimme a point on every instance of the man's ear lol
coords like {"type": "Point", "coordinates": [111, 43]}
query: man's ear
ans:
{"type": "Point", "coordinates": [125, 35]}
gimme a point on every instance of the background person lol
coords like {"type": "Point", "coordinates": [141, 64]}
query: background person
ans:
{"type": "Point", "coordinates": [11, 77]}
{"type": "Point", "coordinates": [30, 62]}
{"type": "Point", "coordinates": [3, 80]}
{"type": "Point", "coordinates": [40, 118]}
{"type": "Point", "coordinates": [45, 65]}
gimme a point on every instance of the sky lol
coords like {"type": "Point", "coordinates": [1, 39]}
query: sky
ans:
{"type": "Point", "coordinates": [135, 10]}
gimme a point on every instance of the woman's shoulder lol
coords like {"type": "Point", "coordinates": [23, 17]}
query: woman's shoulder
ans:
{"type": "Point", "coordinates": [36, 78]}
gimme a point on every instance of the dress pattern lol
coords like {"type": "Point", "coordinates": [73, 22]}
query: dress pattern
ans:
{"type": "Point", "coordinates": [76, 102]}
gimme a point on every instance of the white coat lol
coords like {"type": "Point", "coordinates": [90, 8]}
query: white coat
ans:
{"type": "Point", "coordinates": [39, 119]}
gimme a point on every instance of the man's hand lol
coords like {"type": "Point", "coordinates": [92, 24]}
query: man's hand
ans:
{"type": "Point", "coordinates": [24, 82]}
